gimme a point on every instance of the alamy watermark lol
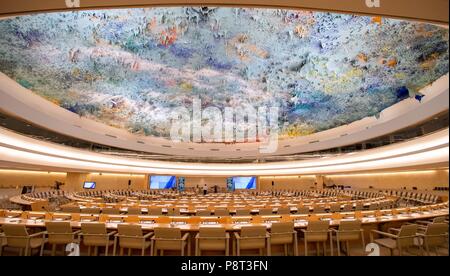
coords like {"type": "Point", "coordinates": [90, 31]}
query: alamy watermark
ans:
{"type": "Point", "coordinates": [73, 3]}
{"type": "Point", "coordinates": [234, 125]}
{"type": "Point", "coordinates": [373, 3]}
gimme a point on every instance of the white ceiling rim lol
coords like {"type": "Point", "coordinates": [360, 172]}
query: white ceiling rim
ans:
{"type": "Point", "coordinates": [430, 149]}
{"type": "Point", "coordinates": [22, 103]}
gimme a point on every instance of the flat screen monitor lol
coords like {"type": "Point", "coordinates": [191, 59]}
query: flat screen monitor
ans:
{"type": "Point", "coordinates": [89, 185]}
{"type": "Point", "coordinates": [244, 182]}
{"type": "Point", "coordinates": [163, 182]}
{"type": "Point", "coordinates": [27, 189]}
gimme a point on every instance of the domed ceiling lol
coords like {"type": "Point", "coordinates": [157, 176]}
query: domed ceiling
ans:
{"type": "Point", "coordinates": [129, 68]}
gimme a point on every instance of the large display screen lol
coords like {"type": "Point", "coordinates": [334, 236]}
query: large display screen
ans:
{"type": "Point", "coordinates": [241, 183]}
{"type": "Point", "coordinates": [89, 185]}
{"type": "Point", "coordinates": [163, 182]}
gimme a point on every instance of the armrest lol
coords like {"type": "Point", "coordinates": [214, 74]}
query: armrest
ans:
{"type": "Point", "coordinates": [385, 234]}
{"type": "Point", "coordinates": [111, 233]}
{"type": "Point", "coordinates": [306, 231]}
{"type": "Point", "coordinates": [237, 236]}
{"type": "Point", "coordinates": [197, 236]}
{"type": "Point", "coordinates": [394, 230]}
{"type": "Point", "coordinates": [97, 235]}
{"type": "Point", "coordinates": [423, 222]}
{"type": "Point", "coordinates": [38, 234]}
{"type": "Point", "coordinates": [185, 236]}
{"type": "Point", "coordinates": [146, 236]}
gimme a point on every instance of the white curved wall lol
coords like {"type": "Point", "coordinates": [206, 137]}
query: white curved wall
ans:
{"type": "Point", "coordinates": [18, 150]}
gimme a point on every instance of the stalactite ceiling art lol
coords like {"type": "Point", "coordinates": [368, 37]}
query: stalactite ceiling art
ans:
{"type": "Point", "coordinates": [128, 68]}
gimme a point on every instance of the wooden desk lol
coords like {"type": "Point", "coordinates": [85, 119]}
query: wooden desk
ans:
{"type": "Point", "coordinates": [300, 221]}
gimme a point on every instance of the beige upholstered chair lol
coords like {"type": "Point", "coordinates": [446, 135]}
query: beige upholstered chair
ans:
{"type": "Point", "coordinates": [95, 235]}
{"type": "Point", "coordinates": [359, 206]}
{"type": "Point", "coordinates": [402, 240]}
{"type": "Point", "coordinates": [435, 220]}
{"type": "Point", "coordinates": [17, 236]}
{"type": "Point", "coordinates": [170, 239]}
{"type": "Point", "coordinates": [212, 239]}
{"type": "Point", "coordinates": [334, 208]}
{"type": "Point", "coordinates": [134, 211]}
{"type": "Point", "coordinates": [60, 233]}
{"type": "Point", "coordinates": [319, 209]}
{"type": "Point", "coordinates": [347, 208]}
{"type": "Point", "coordinates": [348, 231]}
{"type": "Point", "coordinates": [203, 213]}
{"type": "Point", "coordinates": [155, 211]}
{"type": "Point", "coordinates": [110, 211]}
{"type": "Point", "coordinates": [435, 236]}
{"type": "Point", "coordinates": [252, 237]}
{"type": "Point", "coordinates": [130, 236]}
{"type": "Point", "coordinates": [242, 212]}
{"type": "Point", "coordinates": [283, 233]}
{"type": "Point", "coordinates": [374, 206]}
{"type": "Point", "coordinates": [70, 209]}
{"type": "Point", "coordinates": [284, 211]}
{"type": "Point", "coordinates": [265, 211]}
{"type": "Point", "coordinates": [90, 210]}
{"type": "Point", "coordinates": [303, 210]}
{"type": "Point", "coordinates": [2, 243]}
{"type": "Point", "coordinates": [221, 212]}
{"type": "Point", "coordinates": [173, 211]}
{"type": "Point", "coordinates": [318, 232]}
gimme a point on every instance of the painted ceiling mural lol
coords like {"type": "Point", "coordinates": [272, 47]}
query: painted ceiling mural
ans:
{"type": "Point", "coordinates": [129, 68]}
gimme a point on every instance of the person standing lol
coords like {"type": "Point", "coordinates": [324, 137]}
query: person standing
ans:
{"type": "Point", "coordinates": [205, 189]}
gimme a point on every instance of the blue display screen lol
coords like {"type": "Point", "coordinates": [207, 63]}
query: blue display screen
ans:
{"type": "Point", "coordinates": [247, 182]}
{"type": "Point", "coordinates": [162, 182]}
{"type": "Point", "coordinates": [89, 185]}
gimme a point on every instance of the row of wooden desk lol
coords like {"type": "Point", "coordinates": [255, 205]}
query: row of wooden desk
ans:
{"type": "Point", "coordinates": [231, 223]}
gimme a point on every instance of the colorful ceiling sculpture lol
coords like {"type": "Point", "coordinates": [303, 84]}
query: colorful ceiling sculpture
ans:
{"type": "Point", "coordinates": [130, 68]}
